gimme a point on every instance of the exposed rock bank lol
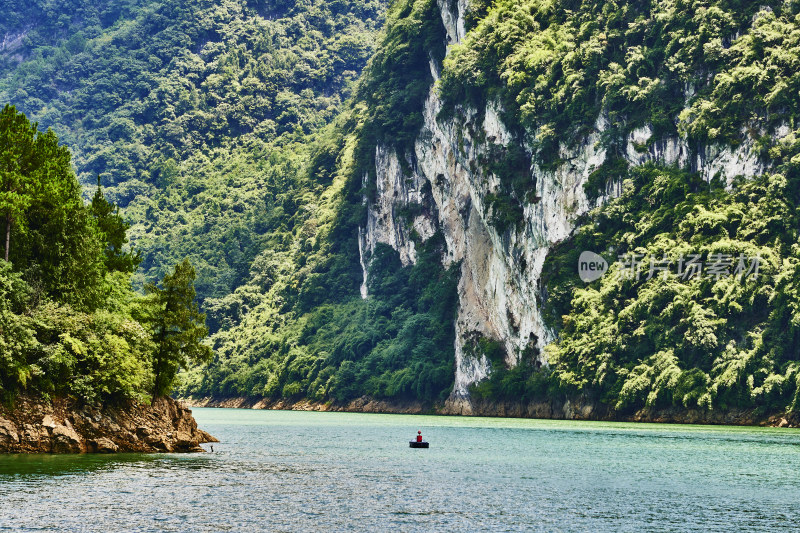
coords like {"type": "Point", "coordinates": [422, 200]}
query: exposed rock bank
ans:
{"type": "Point", "coordinates": [583, 409]}
{"type": "Point", "coordinates": [577, 409]}
{"type": "Point", "coordinates": [359, 405]}
{"type": "Point", "coordinates": [60, 426]}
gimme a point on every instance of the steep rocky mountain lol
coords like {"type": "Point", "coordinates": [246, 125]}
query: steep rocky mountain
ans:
{"type": "Point", "coordinates": [427, 245]}
{"type": "Point", "coordinates": [657, 128]}
{"type": "Point", "coordinates": [505, 140]}
{"type": "Point", "coordinates": [550, 126]}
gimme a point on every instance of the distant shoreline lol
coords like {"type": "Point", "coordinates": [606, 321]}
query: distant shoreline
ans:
{"type": "Point", "coordinates": [535, 410]}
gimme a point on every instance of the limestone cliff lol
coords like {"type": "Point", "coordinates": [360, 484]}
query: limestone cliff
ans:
{"type": "Point", "coordinates": [500, 291]}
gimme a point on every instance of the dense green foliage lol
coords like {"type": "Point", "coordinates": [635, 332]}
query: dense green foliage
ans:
{"type": "Point", "coordinates": [395, 344]}
{"type": "Point", "coordinates": [113, 232]}
{"type": "Point", "coordinates": [525, 381]}
{"type": "Point", "coordinates": [299, 328]}
{"type": "Point", "coordinates": [221, 129]}
{"type": "Point", "coordinates": [178, 327]}
{"type": "Point", "coordinates": [555, 66]}
{"type": "Point", "coordinates": [210, 138]}
{"type": "Point", "coordinates": [47, 229]}
{"type": "Point", "coordinates": [704, 341]}
{"type": "Point", "coordinates": [714, 72]}
{"type": "Point", "coordinates": [721, 72]}
{"type": "Point", "coordinates": [51, 348]}
{"type": "Point", "coordinates": [398, 79]}
{"type": "Point", "coordinates": [193, 114]}
{"type": "Point", "coordinates": [70, 323]}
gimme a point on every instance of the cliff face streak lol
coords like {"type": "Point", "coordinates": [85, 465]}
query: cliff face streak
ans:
{"type": "Point", "coordinates": [500, 272]}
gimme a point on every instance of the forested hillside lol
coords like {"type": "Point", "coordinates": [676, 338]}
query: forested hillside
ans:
{"type": "Point", "coordinates": [717, 79]}
{"type": "Point", "coordinates": [309, 333]}
{"type": "Point", "coordinates": [194, 115]}
{"type": "Point", "coordinates": [391, 201]}
{"type": "Point", "coordinates": [206, 123]}
{"type": "Point", "coordinates": [706, 79]}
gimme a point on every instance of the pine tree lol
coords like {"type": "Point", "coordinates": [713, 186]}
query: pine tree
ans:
{"type": "Point", "coordinates": [17, 164]}
{"type": "Point", "coordinates": [178, 327]}
{"type": "Point", "coordinates": [49, 233]}
{"type": "Point", "coordinates": [113, 233]}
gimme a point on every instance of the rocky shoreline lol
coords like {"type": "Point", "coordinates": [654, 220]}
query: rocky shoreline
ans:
{"type": "Point", "coordinates": [33, 425]}
{"type": "Point", "coordinates": [578, 409]}
{"type": "Point", "coordinates": [360, 405]}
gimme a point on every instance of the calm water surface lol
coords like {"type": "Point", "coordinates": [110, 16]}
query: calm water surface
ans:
{"type": "Point", "coordinates": [298, 471]}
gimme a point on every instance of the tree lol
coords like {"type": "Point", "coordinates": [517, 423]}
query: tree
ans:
{"type": "Point", "coordinates": [113, 233]}
{"type": "Point", "coordinates": [17, 165]}
{"type": "Point", "coordinates": [54, 237]}
{"type": "Point", "coordinates": [178, 327]}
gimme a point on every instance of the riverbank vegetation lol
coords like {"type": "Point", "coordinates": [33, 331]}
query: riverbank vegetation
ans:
{"type": "Point", "coordinates": [70, 322]}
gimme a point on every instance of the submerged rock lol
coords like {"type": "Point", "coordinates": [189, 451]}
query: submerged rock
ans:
{"type": "Point", "coordinates": [34, 425]}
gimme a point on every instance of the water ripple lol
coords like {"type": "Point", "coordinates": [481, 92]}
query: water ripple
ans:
{"type": "Point", "coordinates": [279, 471]}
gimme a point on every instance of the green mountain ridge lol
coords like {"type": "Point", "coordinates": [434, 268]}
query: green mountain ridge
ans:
{"type": "Point", "coordinates": [185, 110]}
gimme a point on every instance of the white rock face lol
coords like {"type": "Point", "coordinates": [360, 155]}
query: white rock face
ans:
{"type": "Point", "coordinates": [453, 22]}
{"type": "Point", "coordinates": [363, 261]}
{"type": "Point", "coordinates": [727, 162]}
{"type": "Point", "coordinates": [500, 273]}
{"type": "Point", "coordinates": [710, 161]}
{"type": "Point", "coordinates": [639, 150]}
{"type": "Point", "coordinates": [397, 189]}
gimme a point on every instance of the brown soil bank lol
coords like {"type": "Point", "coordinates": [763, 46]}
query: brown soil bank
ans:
{"type": "Point", "coordinates": [578, 409]}
{"type": "Point", "coordinates": [36, 426]}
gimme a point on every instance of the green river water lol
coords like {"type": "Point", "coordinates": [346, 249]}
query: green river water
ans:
{"type": "Point", "coordinates": [308, 471]}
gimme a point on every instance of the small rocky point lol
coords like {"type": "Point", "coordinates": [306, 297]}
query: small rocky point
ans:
{"type": "Point", "coordinates": [61, 426]}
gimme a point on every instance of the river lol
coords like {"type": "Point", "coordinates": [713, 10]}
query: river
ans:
{"type": "Point", "coordinates": [311, 471]}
